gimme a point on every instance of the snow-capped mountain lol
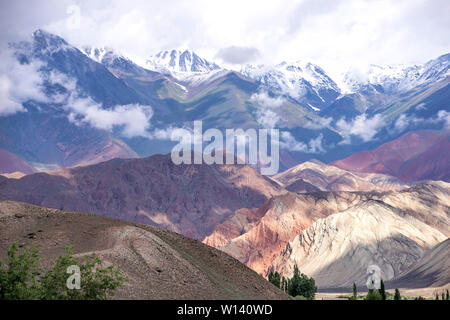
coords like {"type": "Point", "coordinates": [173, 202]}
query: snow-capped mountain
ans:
{"type": "Point", "coordinates": [176, 61]}
{"type": "Point", "coordinates": [389, 78]}
{"type": "Point", "coordinates": [100, 55]}
{"type": "Point", "coordinates": [397, 78]}
{"type": "Point", "coordinates": [186, 66]}
{"type": "Point", "coordinates": [107, 56]}
{"type": "Point", "coordinates": [302, 81]}
{"type": "Point", "coordinates": [43, 44]}
{"type": "Point", "coordinates": [436, 69]}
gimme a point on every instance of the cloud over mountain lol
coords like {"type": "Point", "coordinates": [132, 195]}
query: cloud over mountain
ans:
{"type": "Point", "coordinates": [19, 82]}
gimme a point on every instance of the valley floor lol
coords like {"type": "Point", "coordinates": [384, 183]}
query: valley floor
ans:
{"type": "Point", "coordinates": [428, 293]}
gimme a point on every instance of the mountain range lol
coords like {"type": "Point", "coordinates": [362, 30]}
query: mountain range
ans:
{"type": "Point", "coordinates": [90, 100]}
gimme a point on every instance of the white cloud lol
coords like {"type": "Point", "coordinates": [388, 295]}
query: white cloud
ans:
{"type": "Point", "coordinates": [18, 83]}
{"type": "Point", "coordinates": [404, 121]}
{"type": "Point", "coordinates": [315, 145]}
{"type": "Point", "coordinates": [263, 99]}
{"type": "Point", "coordinates": [361, 126]}
{"type": "Point", "coordinates": [265, 114]}
{"type": "Point", "coordinates": [445, 117]}
{"type": "Point", "coordinates": [421, 106]}
{"type": "Point", "coordinates": [317, 124]}
{"type": "Point", "coordinates": [134, 119]}
{"type": "Point", "coordinates": [287, 141]}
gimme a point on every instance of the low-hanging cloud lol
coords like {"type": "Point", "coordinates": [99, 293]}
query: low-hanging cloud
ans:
{"type": "Point", "coordinates": [132, 118]}
{"type": "Point", "coordinates": [404, 121]}
{"type": "Point", "coordinates": [360, 126]}
{"type": "Point", "coordinates": [317, 124]}
{"type": "Point", "coordinates": [266, 115]}
{"type": "Point", "coordinates": [19, 83]}
{"type": "Point", "coordinates": [288, 141]}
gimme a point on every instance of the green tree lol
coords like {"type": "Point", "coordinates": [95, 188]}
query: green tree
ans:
{"type": "Point", "coordinates": [96, 283]}
{"type": "Point", "coordinates": [397, 295]}
{"type": "Point", "coordinates": [437, 297]}
{"type": "Point", "coordinates": [373, 295]}
{"type": "Point", "coordinates": [19, 274]}
{"type": "Point", "coordinates": [274, 278]}
{"type": "Point", "coordinates": [442, 295]}
{"type": "Point", "coordinates": [447, 297]}
{"type": "Point", "coordinates": [301, 285]}
{"type": "Point", "coordinates": [20, 277]}
{"type": "Point", "coordinates": [355, 292]}
{"type": "Point", "coordinates": [382, 291]}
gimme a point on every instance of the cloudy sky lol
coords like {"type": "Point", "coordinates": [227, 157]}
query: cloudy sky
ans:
{"type": "Point", "coordinates": [331, 33]}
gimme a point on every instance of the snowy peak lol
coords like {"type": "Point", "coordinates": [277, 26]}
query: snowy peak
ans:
{"type": "Point", "coordinates": [104, 55]}
{"type": "Point", "coordinates": [48, 43]}
{"type": "Point", "coordinates": [176, 61]}
{"type": "Point", "coordinates": [97, 54]}
{"type": "Point", "coordinates": [436, 69]}
{"type": "Point", "coordinates": [42, 45]}
{"type": "Point", "coordinates": [390, 78]}
{"type": "Point", "coordinates": [302, 81]}
{"type": "Point", "coordinates": [397, 78]}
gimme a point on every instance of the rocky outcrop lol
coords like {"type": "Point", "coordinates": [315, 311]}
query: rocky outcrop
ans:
{"type": "Point", "coordinates": [281, 218]}
{"type": "Point", "coordinates": [337, 250]}
{"type": "Point", "coordinates": [305, 176]}
{"type": "Point", "coordinates": [396, 227]}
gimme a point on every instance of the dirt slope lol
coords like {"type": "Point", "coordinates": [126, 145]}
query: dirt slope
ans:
{"type": "Point", "coordinates": [158, 263]}
{"type": "Point", "coordinates": [433, 270]}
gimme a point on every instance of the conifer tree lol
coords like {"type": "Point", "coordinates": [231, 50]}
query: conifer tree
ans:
{"type": "Point", "coordinates": [397, 295]}
{"type": "Point", "coordinates": [355, 292]}
{"type": "Point", "coordinates": [382, 291]}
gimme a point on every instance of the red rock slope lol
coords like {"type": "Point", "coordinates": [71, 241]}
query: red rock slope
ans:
{"type": "Point", "coordinates": [415, 156]}
{"type": "Point", "coordinates": [188, 199]}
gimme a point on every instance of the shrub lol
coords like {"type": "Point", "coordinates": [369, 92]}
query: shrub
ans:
{"type": "Point", "coordinates": [373, 295]}
{"type": "Point", "coordinates": [20, 277]}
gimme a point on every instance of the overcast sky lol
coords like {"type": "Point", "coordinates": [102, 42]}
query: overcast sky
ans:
{"type": "Point", "coordinates": [331, 33]}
